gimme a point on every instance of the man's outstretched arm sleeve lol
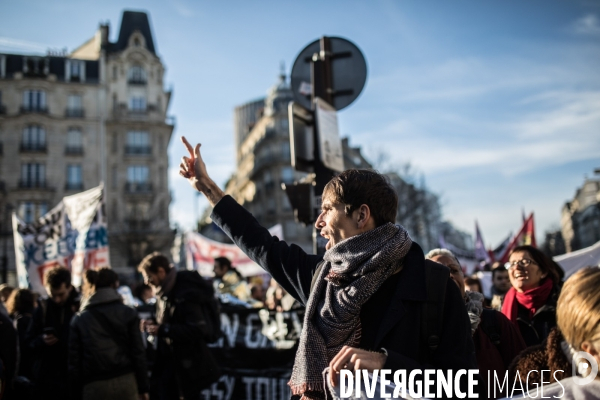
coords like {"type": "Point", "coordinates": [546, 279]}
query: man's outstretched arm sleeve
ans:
{"type": "Point", "coordinates": [289, 265]}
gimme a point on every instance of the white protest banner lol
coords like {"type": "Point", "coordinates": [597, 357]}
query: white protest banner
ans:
{"type": "Point", "coordinates": [72, 235]}
{"type": "Point", "coordinates": [201, 252]}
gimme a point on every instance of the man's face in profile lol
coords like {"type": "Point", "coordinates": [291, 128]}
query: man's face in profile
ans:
{"type": "Point", "coordinates": [219, 270]}
{"type": "Point", "coordinates": [334, 224]}
{"type": "Point", "coordinates": [59, 295]}
{"type": "Point", "coordinates": [154, 279]}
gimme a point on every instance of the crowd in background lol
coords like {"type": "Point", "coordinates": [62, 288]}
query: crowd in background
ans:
{"type": "Point", "coordinates": [49, 348]}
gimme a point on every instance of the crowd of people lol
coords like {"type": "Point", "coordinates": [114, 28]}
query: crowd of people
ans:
{"type": "Point", "coordinates": [373, 301]}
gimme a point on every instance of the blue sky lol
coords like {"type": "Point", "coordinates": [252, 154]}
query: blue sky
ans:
{"type": "Point", "coordinates": [495, 103]}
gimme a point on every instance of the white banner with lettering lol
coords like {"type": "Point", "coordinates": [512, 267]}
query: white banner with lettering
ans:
{"type": "Point", "coordinates": [201, 252]}
{"type": "Point", "coordinates": [73, 235]}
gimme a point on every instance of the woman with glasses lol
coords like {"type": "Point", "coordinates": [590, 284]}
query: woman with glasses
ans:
{"type": "Point", "coordinates": [531, 302]}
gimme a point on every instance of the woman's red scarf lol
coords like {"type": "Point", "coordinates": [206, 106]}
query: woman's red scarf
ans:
{"type": "Point", "coordinates": [531, 299]}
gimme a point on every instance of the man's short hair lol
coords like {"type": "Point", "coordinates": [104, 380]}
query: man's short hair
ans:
{"type": "Point", "coordinates": [497, 270]}
{"type": "Point", "coordinates": [355, 187]}
{"type": "Point", "coordinates": [106, 278]}
{"type": "Point", "coordinates": [223, 262]}
{"type": "Point", "coordinates": [152, 262]}
{"type": "Point", "coordinates": [56, 276]}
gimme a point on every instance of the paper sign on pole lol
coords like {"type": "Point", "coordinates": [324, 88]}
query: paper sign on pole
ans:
{"type": "Point", "coordinates": [330, 145]}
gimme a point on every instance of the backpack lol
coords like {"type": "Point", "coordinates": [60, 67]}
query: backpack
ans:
{"type": "Point", "coordinates": [491, 327]}
{"type": "Point", "coordinates": [436, 278]}
{"type": "Point", "coordinates": [211, 311]}
{"type": "Point", "coordinates": [432, 319]}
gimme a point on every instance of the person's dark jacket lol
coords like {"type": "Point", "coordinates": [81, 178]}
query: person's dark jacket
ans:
{"type": "Point", "coordinates": [391, 319]}
{"type": "Point", "coordinates": [106, 342]}
{"type": "Point", "coordinates": [496, 357]}
{"type": "Point", "coordinates": [22, 322]}
{"type": "Point", "coordinates": [8, 352]}
{"type": "Point", "coordinates": [50, 362]}
{"type": "Point", "coordinates": [536, 329]}
{"type": "Point", "coordinates": [182, 330]}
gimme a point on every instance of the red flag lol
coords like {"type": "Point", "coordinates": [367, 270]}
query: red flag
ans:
{"type": "Point", "coordinates": [525, 236]}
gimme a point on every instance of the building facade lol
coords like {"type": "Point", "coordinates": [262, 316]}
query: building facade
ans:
{"type": "Point", "coordinates": [71, 121]}
{"type": "Point", "coordinates": [580, 220]}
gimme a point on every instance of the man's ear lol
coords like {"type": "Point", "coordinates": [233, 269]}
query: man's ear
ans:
{"type": "Point", "coordinates": [363, 216]}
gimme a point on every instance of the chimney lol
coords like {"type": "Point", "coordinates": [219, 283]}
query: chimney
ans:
{"type": "Point", "coordinates": [104, 31]}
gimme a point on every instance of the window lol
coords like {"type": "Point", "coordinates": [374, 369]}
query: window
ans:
{"type": "Point", "coordinates": [137, 179]}
{"type": "Point", "coordinates": [29, 211]}
{"type": "Point", "coordinates": [138, 143]}
{"type": "Point", "coordinates": [137, 174]}
{"type": "Point", "coordinates": [136, 75]}
{"type": "Point", "coordinates": [287, 175]}
{"type": "Point", "coordinates": [74, 141]}
{"type": "Point", "coordinates": [36, 66]}
{"type": "Point", "coordinates": [75, 71]}
{"type": "Point", "coordinates": [115, 176]}
{"type": "Point", "coordinates": [74, 178]}
{"type": "Point", "coordinates": [285, 151]}
{"type": "Point", "coordinates": [114, 72]}
{"type": "Point", "coordinates": [270, 205]}
{"type": "Point", "coordinates": [34, 138]}
{"type": "Point", "coordinates": [137, 103]}
{"type": "Point", "coordinates": [75, 106]}
{"type": "Point", "coordinates": [33, 175]}
{"type": "Point", "coordinates": [34, 100]}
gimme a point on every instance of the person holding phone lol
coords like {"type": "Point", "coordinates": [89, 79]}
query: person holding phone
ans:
{"type": "Point", "coordinates": [48, 335]}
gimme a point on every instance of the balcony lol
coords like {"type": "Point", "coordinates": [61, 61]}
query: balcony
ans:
{"type": "Point", "coordinates": [33, 148]}
{"type": "Point", "coordinates": [138, 150]}
{"type": "Point", "coordinates": [30, 184]}
{"type": "Point", "coordinates": [73, 186]}
{"type": "Point", "coordinates": [138, 187]}
{"type": "Point", "coordinates": [136, 81]}
{"type": "Point", "coordinates": [74, 113]}
{"type": "Point", "coordinates": [74, 150]}
{"type": "Point", "coordinates": [34, 109]}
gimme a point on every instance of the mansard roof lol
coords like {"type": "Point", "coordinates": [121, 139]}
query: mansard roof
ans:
{"type": "Point", "coordinates": [133, 21]}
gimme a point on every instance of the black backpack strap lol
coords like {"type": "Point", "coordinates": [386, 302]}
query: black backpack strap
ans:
{"type": "Point", "coordinates": [491, 327]}
{"type": "Point", "coordinates": [436, 276]}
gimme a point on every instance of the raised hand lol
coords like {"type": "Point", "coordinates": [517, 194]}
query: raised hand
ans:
{"type": "Point", "coordinates": [194, 170]}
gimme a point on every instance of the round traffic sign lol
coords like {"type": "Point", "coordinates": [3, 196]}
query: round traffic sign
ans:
{"type": "Point", "coordinates": [348, 72]}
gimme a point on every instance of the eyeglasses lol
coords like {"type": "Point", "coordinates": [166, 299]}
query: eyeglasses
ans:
{"type": "Point", "coordinates": [525, 262]}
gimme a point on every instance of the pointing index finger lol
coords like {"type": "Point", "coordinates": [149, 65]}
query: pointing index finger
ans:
{"type": "Point", "coordinates": [188, 146]}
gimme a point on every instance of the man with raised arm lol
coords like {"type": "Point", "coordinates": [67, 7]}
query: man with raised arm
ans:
{"type": "Point", "coordinates": [364, 297]}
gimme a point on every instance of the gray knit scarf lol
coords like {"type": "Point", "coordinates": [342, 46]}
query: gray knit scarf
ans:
{"type": "Point", "coordinates": [354, 269]}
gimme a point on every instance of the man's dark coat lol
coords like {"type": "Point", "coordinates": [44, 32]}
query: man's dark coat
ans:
{"type": "Point", "coordinates": [398, 313]}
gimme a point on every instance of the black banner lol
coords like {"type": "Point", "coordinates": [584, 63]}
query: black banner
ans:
{"type": "Point", "coordinates": [256, 354]}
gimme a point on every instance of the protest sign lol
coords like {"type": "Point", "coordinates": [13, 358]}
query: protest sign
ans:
{"type": "Point", "coordinates": [73, 235]}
